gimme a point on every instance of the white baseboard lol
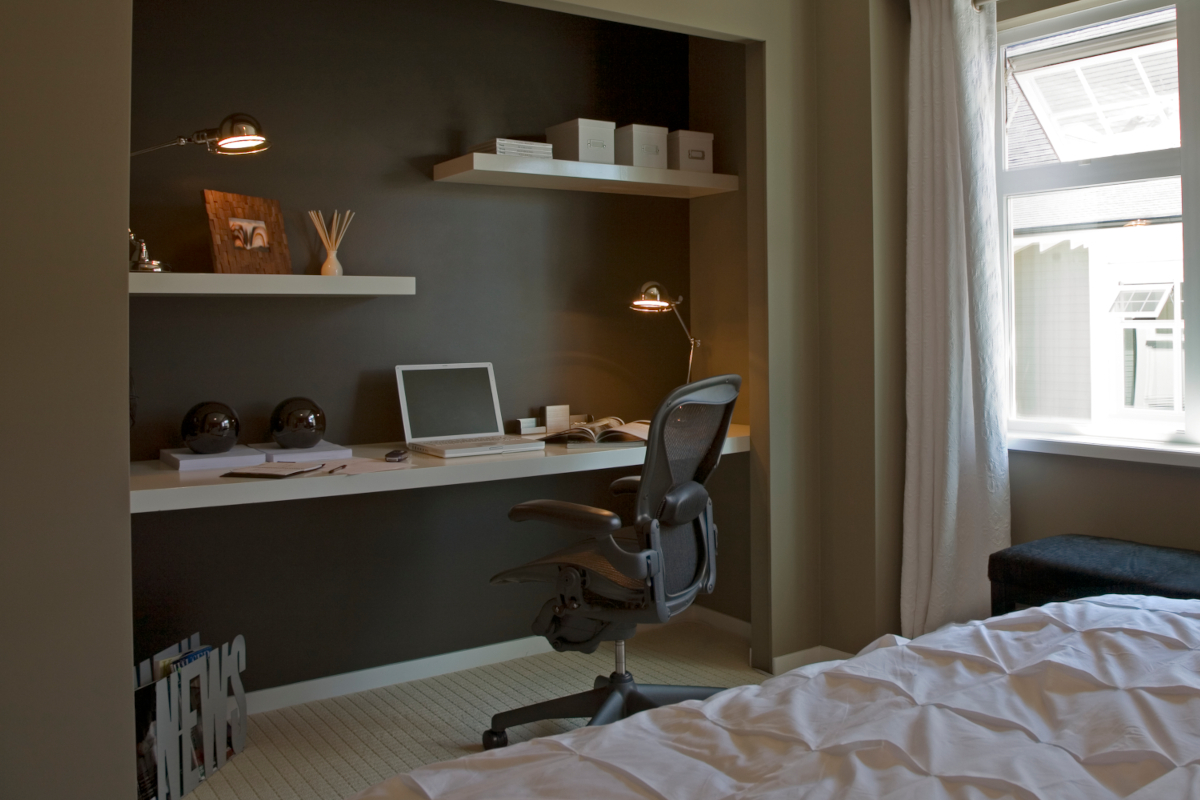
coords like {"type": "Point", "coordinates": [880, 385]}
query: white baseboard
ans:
{"type": "Point", "coordinates": [377, 677]}
{"type": "Point", "coordinates": [802, 658]}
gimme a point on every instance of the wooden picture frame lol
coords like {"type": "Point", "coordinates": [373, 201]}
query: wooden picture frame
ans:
{"type": "Point", "coordinates": [263, 216]}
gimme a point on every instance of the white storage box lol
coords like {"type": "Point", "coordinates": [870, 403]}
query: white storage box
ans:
{"type": "Point", "coordinates": [588, 140]}
{"type": "Point", "coordinates": [642, 146]}
{"type": "Point", "coordinates": [690, 150]}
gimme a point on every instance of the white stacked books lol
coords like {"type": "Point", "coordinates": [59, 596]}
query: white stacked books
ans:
{"type": "Point", "coordinates": [321, 451]}
{"type": "Point", "coordinates": [184, 460]}
{"type": "Point", "coordinates": [515, 147]}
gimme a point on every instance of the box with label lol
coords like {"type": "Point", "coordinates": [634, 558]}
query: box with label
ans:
{"type": "Point", "coordinates": [590, 140]}
{"type": "Point", "coordinates": [642, 146]}
{"type": "Point", "coordinates": [690, 150]}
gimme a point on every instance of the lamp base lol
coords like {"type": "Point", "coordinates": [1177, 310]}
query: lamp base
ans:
{"type": "Point", "coordinates": [148, 266]}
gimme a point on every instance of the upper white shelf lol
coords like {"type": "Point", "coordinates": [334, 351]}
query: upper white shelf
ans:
{"type": "Point", "coordinates": [579, 176]}
{"type": "Point", "coordinates": [153, 486]}
{"type": "Point", "coordinates": [225, 284]}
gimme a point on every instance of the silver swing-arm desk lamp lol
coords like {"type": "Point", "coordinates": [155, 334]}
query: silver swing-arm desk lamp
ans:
{"type": "Point", "coordinates": [238, 134]}
{"type": "Point", "coordinates": [654, 298]}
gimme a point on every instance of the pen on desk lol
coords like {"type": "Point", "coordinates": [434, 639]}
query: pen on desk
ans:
{"type": "Point", "coordinates": [335, 469]}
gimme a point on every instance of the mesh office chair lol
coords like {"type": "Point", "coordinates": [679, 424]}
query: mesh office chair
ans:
{"type": "Point", "coordinates": [645, 564]}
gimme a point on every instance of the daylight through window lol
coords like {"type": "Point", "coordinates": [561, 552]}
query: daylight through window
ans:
{"type": "Point", "coordinates": [1090, 118]}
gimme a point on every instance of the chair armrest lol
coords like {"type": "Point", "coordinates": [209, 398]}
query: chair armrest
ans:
{"type": "Point", "coordinates": [568, 515]}
{"type": "Point", "coordinates": [627, 485]}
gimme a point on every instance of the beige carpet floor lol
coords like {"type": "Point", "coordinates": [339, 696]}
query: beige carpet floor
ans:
{"type": "Point", "coordinates": [330, 749]}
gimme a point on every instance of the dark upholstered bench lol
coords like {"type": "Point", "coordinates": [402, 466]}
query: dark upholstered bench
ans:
{"type": "Point", "coordinates": [1072, 566]}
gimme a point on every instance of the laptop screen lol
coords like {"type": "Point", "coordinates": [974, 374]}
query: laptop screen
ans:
{"type": "Point", "coordinates": [455, 401]}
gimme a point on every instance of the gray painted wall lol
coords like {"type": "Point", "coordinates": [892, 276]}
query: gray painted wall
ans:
{"type": "Point", "coordinates": [719, 274]}
{"type": "Point", "coordinates": [536, 281]}
{"type": "Point", "coordinates": [66, 705]}
{"type": "Point", "coordinates": [862, 164]}
{"type": "Point", "coordinates": [1147, 503]}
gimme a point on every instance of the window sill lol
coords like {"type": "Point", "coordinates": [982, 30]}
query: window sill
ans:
{"type": "Point", "coordinates": [1175, 455]}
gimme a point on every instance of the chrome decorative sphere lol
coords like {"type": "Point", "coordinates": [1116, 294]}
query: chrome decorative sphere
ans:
{"type": "Point", "coordinates": [297, 423]}
{"type": "Point", "coordinates": [210, 427]}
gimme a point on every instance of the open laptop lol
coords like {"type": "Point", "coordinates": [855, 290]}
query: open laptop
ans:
{"type": "Point", "coordinates": [452, 410]}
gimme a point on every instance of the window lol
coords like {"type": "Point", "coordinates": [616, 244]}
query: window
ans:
{"type": "Point", "coordinates": [1091, 136]}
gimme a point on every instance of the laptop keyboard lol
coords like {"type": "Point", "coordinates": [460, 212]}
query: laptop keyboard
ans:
{"type": "Point", "coordinates": [483, 440]}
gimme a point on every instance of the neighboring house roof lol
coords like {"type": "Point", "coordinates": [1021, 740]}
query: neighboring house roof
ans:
{"type": "Point", "coordinates": [1155, 199]}
{"type": "Point", "coordinates": [1027, 142]}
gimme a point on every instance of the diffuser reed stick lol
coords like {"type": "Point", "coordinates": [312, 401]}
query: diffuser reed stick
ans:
{"type": "Point", "coordinates": [331, 237]}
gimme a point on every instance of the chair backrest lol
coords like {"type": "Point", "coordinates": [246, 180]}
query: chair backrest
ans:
{"type": "Point", "coordinates": [686, 437]}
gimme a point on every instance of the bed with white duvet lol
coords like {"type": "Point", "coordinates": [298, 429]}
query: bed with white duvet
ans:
{"type": "Point", "coordinates": [1088, 700]}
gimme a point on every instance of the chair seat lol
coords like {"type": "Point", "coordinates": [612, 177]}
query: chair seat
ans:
{"type": "Point", "coordinates": [585, 555]}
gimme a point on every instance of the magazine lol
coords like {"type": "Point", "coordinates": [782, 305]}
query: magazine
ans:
{"type": "Point", "coordinates": [606, 432]}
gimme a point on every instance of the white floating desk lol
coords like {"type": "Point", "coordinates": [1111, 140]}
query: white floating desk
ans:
{"type": "Point", "coordinates": [153, 486]}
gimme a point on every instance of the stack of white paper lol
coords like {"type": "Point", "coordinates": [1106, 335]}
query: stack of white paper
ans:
{"type": "Point", "coordinates": [321, 451]}
{"type": "Point", "coordinates": [183, 459]}
{"type": "Point", "coordinates": [515, 147]}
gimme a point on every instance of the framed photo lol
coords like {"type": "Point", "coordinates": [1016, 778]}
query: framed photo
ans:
{"type": "Point", "coordinates": [247, 234]}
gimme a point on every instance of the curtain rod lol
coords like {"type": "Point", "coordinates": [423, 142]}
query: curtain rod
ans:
{"type": "Point", "coordinates": [979, 4]}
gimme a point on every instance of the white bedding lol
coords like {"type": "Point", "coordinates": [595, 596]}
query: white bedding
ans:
{"type": "Point", "coordinates": [1089, 700]}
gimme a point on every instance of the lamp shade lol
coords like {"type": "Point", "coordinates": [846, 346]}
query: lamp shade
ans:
{"type": "Point", "coordinates": [239, 134]}
{"type": "Point", "coordinates": [653, 296]}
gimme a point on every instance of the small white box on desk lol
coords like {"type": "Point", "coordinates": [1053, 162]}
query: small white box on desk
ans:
{"type": "Point", "coordinates": [642, 146]}
{"type": "Point", "coordinates": [690, 150]}
{"type": "Point", "coordinates": [590, 140]}
{"type": "Point", "coordinates": [321, 451]}
{"type": "Point", "coordinates": [184, 460]}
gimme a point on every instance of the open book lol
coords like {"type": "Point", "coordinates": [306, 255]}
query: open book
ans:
{"type": "Point", "coordinates": [607, 432]}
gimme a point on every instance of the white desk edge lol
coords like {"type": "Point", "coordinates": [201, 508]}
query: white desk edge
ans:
{"type": "Point", "coordinates": [153, 486]}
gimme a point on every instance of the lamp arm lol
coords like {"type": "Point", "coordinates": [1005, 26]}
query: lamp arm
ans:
{"type": "Point", "coordinates": [205, 137]}
{"type": "Point", "coordinates": [172, 143]}
{"type": "Point", "coordinates": [678, 316]}
{"type": "Point", "coordinates": [691, 341]}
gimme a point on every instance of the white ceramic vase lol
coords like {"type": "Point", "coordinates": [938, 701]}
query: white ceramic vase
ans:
{"type": "Point", "coordinates": [331, 266]}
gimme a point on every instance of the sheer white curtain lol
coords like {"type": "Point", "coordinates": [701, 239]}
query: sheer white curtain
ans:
{"type": "Point", "coordinates": [956, 509]}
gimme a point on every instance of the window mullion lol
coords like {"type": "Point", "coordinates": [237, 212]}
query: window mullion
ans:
{"type": "Point", "coordinates": [1078, 174]}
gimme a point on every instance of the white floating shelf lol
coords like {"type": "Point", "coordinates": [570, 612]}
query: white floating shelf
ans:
{"type": "Point", "coordinates": [578, 176]}
{"type": "Point", "coordinates": [153, 486]}
{"type": "Point", "coordinates": [223, 284]}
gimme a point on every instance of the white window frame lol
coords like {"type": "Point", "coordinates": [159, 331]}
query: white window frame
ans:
{"type": "Point", "coordinates": [1061, 437]}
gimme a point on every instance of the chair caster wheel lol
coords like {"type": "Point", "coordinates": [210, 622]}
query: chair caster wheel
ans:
{"type": "Point", "coordinates": [493, 739]}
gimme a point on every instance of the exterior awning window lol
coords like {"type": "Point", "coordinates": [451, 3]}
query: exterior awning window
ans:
{"type": "Point", "coordinates": [1142, 300]}
{"type": "Point", "coordinates": [1104, 96]}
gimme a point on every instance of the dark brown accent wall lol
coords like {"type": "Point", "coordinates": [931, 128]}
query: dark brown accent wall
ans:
{"type": "Point", "coordinates": [361, 99]}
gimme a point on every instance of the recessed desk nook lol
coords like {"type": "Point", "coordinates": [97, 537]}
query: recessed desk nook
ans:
{"type": "Point", "coordinates": [453, 256]}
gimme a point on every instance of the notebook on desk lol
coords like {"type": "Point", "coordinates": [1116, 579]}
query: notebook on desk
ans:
{"type": "Point", "coordinates": [452, 410]}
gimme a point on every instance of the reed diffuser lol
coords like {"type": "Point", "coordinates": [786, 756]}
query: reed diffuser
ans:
{"type": "Point", "coordinates": [331, 237]}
